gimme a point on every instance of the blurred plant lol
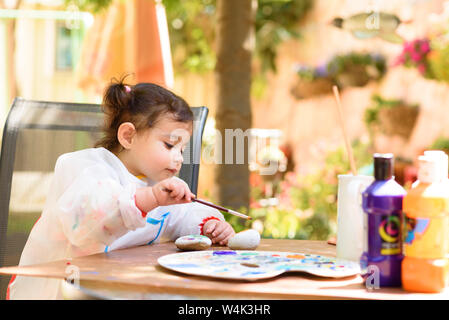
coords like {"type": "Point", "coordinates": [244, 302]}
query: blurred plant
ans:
{"type": "Point", "coordinates": [277, 21]}
{"type": "Point", "coordinates": [311, 82]}
{"type": "Point", "coordinates": [414, 55]}
{"type": "Point", "coordinates": [390, 117]}
{"type": "Point", "coordinates": [191, 25]}
{"type": "Point", "coordinates": [308, 205]}
{"type": "Point", "coordinates": [441, 143]}
{"type": "Point", "coordinates": [94, 6]}
{"type": "Point", "coordinates": [356, 69]}
{"type": "Point", "coordinates": [352, 69]}
{"type": "Point", "coordinates": [192, 32]}
{"type": "Point", "coordinates": [372, 113]}
{"type": "Point", "coordinates": [308, 73]}
{"type": "Point", "coordinates": [372, 66]}
{"type": "Point", "coordinates": [438, 60]}
{"type": "Point", "coordinates": [340, 63]}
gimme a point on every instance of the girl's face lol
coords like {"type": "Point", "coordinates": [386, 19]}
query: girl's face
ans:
{"type": "Point", "coordinates": [157, 152]}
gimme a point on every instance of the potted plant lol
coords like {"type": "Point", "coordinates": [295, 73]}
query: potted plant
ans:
{"type": "Point", "coordinates": [356, 69]}
{"type": "Point", "coordinates": [311, 82]}
{"type": "Point", "coordinates": [391, 117]}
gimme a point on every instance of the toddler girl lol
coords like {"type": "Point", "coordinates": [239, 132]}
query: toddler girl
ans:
{"type": "Point", "coordinates": [122, 193]}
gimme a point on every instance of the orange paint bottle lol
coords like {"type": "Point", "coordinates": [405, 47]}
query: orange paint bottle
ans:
{"type": "Point", "coordinates": [425, 266]}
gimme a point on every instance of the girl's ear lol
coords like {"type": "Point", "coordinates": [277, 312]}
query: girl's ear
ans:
{"type": "Point", "coordinates": [125, 134]}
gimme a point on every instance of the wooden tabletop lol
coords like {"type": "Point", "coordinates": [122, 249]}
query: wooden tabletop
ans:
{"type": "Point", "coordinates": [135, 274]}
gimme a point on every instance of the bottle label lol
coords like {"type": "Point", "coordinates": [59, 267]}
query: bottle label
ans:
{"type": "Point", "coordinates": [365, 232]}
{"type": "Point", "coordinates": [426, 238]}
{"type": "Point", "coordinates": [390, 232]}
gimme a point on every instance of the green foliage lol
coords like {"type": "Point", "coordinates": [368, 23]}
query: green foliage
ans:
{"type": "Point", "coordinates": [258, 85]}
{"type": "Point", "coordinates": [192, 30]}
{"type": "Point", "coordinates": [309, 73]}
{"type": "Point", "coordinates": [318, 192]}
{"type": "Point", "coordinates": [192, 33]}
{"type": "Point", "coordinates": [372, 113]}
{"type": "Point", "coordinates": [277, 21]}
{"type": "Point", "coordinates": [192, 23]}
{"type": "Point", "coordinates": [352, 69]}
{"type": "Point", "coordinates": [94, 6]}
{"type": "Point", "coordinates": [312, 214]}
{"type": "Point", "coordinates": [441, 143]}
{"type": "Point", "coordinates": [438, 61]}
{"type": "Point", "coordinates": [342, 63]}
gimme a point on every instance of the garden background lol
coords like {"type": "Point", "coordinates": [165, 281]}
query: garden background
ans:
{"type": "Point", "coordinates": [391, 71]}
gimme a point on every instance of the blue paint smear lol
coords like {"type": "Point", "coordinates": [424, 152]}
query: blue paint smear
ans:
{"type": "Point", "coordinates": [155, 222]}
{"type": "Point", "coordinates": [283, 267]}
{"type": "Point", "coordinates": [249, 273]}
{"type": "Point", "coordinates": [217, 253]}
{"type": "Point", "coordinates": [222, 263]}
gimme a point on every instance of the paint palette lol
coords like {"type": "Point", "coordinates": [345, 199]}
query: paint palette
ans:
{"type": "Point", "coordinates": [255, 265]}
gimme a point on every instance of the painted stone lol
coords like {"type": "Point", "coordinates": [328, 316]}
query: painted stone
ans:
{"type": "Point", "coordinates": [193, 242]}
{"type": "Point", "coordinates": [245, 240]}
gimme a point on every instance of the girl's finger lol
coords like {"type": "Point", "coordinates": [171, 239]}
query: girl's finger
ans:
{"type": "Point", "coordinates": [218, 229]}
{"type": "Point", "coordinates": [174, 193]}
{"type": "Point", "coordinates": [210, 227]}
{"type": "Point", "coordinates": [189, 195]}
{"type": "Point", "coordinates": [231, 234]}
{"type": "Point", "coordinates": [171, 186]}
{"type": "Point", "coordinates": [223, 235]}
{"type": "Point", "coordinates": [185, 193]}
{"type": "Point", "coordinates": [225, 241]}
{"type": "Point", "coordinates": [180, 195]}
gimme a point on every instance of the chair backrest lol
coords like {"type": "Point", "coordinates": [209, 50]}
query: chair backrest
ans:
{"type": "Point", "coordinates": [35, 134]}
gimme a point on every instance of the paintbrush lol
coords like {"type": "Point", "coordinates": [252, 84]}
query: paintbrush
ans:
{"type": "Point", "coordinates": [235, 213]}
{"type": "Point", "coordinates": [343, 128]}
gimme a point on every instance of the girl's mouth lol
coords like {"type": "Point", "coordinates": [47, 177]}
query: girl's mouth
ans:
{"type": "Point", "coordinates": [173, 171]}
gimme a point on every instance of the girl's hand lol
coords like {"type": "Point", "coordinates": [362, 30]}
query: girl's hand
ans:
{"type": "Point", "coordinates": [166, 192]}
{"type": "Point", "coordinates": [218, 231]}
{"type": "Point", "coordinates": [172, 191]}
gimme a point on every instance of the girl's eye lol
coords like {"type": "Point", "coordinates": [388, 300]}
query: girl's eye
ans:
{"type": "Point", "coordinates": [168, 145]}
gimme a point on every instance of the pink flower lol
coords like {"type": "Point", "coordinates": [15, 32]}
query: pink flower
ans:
{"type": "Point", "coordinates": [422, 68]}
{"type": "Point", "coordinates": [425, 47]}
{"type": "Point", "coordinates": [415, 57]}
{"type": "Point", "coordinates": [399, 60]}
{"type": "Point", "coordinates": [408, 47]}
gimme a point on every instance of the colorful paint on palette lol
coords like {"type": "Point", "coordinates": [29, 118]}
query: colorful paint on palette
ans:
{"type": "Point", "coordinates": [220, 253]}
{"type": "Point", "coordinates": [254, 265]}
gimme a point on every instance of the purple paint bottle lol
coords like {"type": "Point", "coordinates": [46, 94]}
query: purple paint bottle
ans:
{"type": "Point", "coordinates": [382, 204]}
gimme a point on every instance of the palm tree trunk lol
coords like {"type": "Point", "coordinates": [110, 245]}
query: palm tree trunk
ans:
{"type": "Point", "coordinates": [235, 41]}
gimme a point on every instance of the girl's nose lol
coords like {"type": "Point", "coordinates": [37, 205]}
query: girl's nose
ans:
{"type": "Point", "coordinates": [177, 157]}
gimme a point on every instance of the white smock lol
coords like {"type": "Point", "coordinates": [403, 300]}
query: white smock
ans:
{"type": "Point", "coordinates": [91, 209]}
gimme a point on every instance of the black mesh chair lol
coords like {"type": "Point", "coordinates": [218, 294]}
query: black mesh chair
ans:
{"type": "Point", "coordinates": [35, 134]}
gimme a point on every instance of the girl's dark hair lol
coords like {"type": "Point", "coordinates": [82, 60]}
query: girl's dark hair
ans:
{"type": "Point", "coordinates": [142, 105]}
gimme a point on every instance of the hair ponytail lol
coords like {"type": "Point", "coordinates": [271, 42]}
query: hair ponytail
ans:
{"type": "Point", "coordinates": [117, 97]}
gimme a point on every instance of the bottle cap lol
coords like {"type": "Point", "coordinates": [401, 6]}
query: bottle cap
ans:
{"type": "Point", "coordinates": [430, 169]}
{"type": "Point", "coordinates": [442, 159]}
{"type": "Point", "coordinates": [383, 166]}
